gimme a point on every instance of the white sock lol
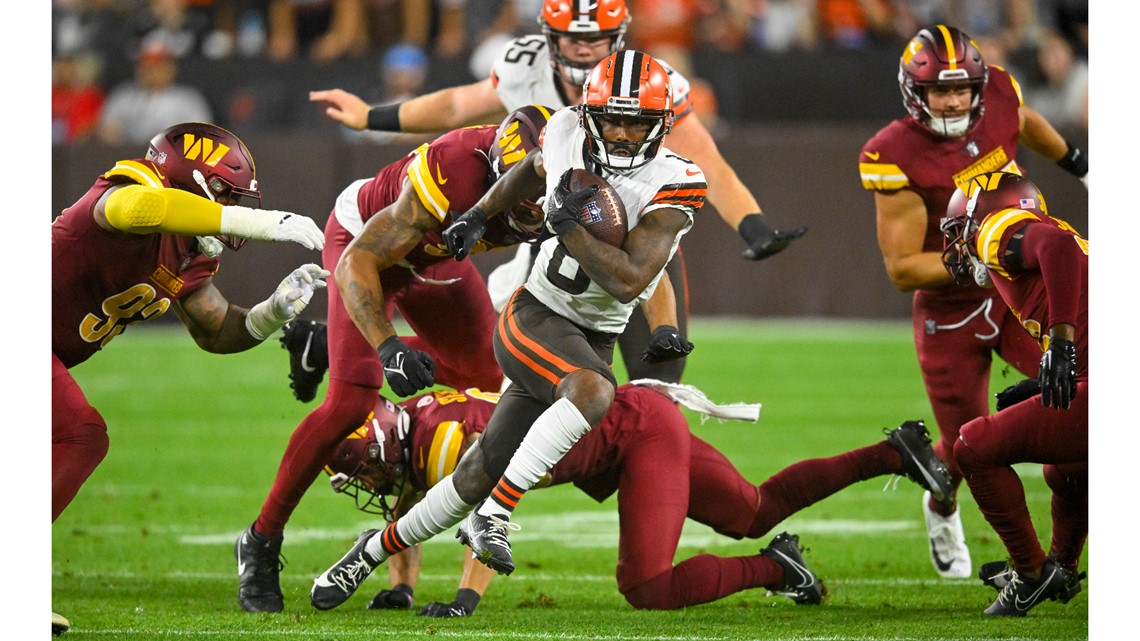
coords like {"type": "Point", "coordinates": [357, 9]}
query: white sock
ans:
{"type": "Point", "coordinates": [552, 435]}
{"type": "Point", "coordinates": [440, 509]}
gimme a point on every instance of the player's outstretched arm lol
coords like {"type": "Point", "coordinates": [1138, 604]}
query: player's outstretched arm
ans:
{"type": "Point", "coordinates": [136, 209]}
{"type": "Point", "coordinates": [727, 193]}
{"type": "Point", "coordinates": [443, 110]}
{"type": "Point", "coordinates": [518, 184]}
{"type": "Point", "coordinates": [222, 328]}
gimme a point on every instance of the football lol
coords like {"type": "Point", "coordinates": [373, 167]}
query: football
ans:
{"type": "Point", "coordinates": [604, 214]}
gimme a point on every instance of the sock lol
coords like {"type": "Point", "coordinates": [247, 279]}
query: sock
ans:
{"type": "Point", "coordinates": [440, 509]}
{"type": "Point", "coordinates": [553, 434]}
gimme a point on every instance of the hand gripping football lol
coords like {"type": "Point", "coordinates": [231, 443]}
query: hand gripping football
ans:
{"type": "Point", "coordinates": [604, 214]}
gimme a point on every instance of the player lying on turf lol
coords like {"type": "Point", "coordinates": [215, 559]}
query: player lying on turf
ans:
{"type": "Point", "coordinates": [644, 451]}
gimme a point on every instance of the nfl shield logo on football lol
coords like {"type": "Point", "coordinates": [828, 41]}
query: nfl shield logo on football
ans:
{"type": "Point", "coordinates": [590, 214]}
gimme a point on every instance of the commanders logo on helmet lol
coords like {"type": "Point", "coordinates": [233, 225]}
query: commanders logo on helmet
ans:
{"type": "Point", "coordinates": [209, 161]}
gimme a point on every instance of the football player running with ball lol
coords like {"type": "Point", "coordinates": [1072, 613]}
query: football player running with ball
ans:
{"type": "Point", "coordinates": [386, 251]}
{"type": "Point", "coordinates": [965, 119]}
{"type": "Point", "coordinates": [549, 69]}
{"type": "Point", "coordinates": [555, 338]}
{"type": "Point", "coordinates": [147, 237]}
{"type": "Point", "coordinates": [998, 233]}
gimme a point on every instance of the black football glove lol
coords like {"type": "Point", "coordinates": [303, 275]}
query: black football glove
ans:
{"type": "Point", "coordinates": [563, 206]}
{"type": "Point", "coordinates": [463, 232]}
{"type": "Point", "coordinates": [666, 344]}
{"type": "Point", "coordinates": [398, 598]}
{"type": "Point", "coordinates": [1017, 392]}
{"type": "Point", "coordinates": [1058, 374]}
{"type": "Point", "coordinates": [763, 241]}
{"type": "Point", "coordinates": [406, 370]}
{"type": "Point", "coordinates": [463, 606]}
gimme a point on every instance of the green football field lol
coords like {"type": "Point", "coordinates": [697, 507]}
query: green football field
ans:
{"type": "Point", "coordinates": [146, 549]}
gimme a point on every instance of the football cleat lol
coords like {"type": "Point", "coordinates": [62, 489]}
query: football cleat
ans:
{"type": "Point", "coordinates": [259, 564]}
{"type": "Point", "coordinates": [996, 574]}
{"type": "Point", "coordinates": [1022, 594]}
{"type": "Point", "coordinates": [340, 582]}
{"type": "Point", "coordinates": [307, 344]}
{"type": "Point", "coordinates": [948, 551]}
{"type": "Point", "coordinates": [800, 584]}
{"type": "Point", "coordinates": [487, 538]}
{"type": "Point", "coordinates": [59, 624]}
{"type": "Point", "coordinates": [919, 462]}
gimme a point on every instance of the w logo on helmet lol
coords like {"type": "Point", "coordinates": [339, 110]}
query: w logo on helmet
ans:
{"type": "Point", "coordinates": [204, 148]}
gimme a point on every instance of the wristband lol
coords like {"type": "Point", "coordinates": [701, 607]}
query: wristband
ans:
{"type": "Point", "coordinates": [1074, 161]}
{"type": "Point", "coordinates": [384, 118]}
{"type": "Point", "coordinates": [755, 227]}
{"type": "Point", "coordinates": [468, 598]}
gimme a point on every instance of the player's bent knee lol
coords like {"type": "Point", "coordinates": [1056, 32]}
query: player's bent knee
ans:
{"type": "Point", "coordinates": [654, 594]}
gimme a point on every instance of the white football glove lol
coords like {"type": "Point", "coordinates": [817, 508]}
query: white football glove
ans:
{"type": "Point", "coordinates": [269, 224]}
{"type": "Point", "coordinates": [287, 302]}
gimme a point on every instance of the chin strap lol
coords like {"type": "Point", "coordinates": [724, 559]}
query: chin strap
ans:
{"type": "Point", "coordinates": [696, 400]}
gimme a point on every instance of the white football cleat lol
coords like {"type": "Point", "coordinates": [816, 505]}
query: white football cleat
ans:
{"type": "Point", "coordinates": [948, 551]}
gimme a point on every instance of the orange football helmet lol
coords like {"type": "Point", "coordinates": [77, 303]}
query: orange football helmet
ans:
{"type": "Point", "coordinates": [626, 85]}
{"type": "Point", "coordinates": [587, 19]}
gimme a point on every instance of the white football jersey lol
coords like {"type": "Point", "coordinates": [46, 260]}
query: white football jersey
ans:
{"type": "Point", "coordinates": [523, 75]}
{"type": "Point", "coordinates": [668, 181]}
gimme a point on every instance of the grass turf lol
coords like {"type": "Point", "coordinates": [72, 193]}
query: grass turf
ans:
{"type": "Point", "coordinates": [146, 549]}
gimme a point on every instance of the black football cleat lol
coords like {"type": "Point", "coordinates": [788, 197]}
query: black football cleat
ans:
{"type": "Point", "coordinates": [996, 574]}
{"type": "Point", "coordinates": [259, 564]}
{"type": "Point", "coordinates": [919, 462]}
{"type": "Point", "coordinates": [1021, 594]}
{"type": "Point", "coordinates": [800, 584]}
{"type": "Point", "coordinates": [341, 581]}
{"type": "Point", "coordinates": [487, 538]}
{"type": "Point", "coordinates": [307, 344]}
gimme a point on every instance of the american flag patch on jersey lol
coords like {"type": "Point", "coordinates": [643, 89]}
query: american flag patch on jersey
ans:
{"type": "Point", "coordinates": [591, 214]}
{"type": "Point", "coordinates": [1027, 203]}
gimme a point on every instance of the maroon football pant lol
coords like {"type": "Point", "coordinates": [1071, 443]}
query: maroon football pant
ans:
{"type": "Point", "coordinates": [448, 308]}
{"type": "Point", "coordinates": [1030, 433]}
{"type": "Point", "coordinates": [955, 346]}
{"type": "Point", "coordinates": [78, 438]}
{"type": "Point", "coordinates": [647, 459]}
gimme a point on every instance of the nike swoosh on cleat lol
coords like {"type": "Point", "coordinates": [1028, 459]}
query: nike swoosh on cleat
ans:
{"type": "Point", "coordinates": [1023, 605]}
{"type": "Point", "coordinates": [305, 355]}
{"type": "Point", "coordinates": [322, 582]}
{"type": "Point", "coordinates": [943, 566]}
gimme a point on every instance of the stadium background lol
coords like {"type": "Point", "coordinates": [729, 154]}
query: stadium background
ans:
{"type": "Point", "coordinates": [790, 124]}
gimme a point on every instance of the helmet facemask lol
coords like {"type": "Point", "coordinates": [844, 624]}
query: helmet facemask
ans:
{"type": "Point", "coordinates": [596, 20]}
{"type": "Point", "coordinates": [628, 89]}
{"type": "Point", "coordinates": [942, 56]}
{"type": "Point", "coordinates": [371, 464]}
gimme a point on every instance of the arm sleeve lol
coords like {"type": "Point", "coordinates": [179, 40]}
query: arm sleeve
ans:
{"type": "Point", "coordinates": [143, 210]}
{"type": "Point", "coordinates": [1057, 255]}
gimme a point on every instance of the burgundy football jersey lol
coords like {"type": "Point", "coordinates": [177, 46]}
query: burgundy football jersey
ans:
{"type": "Point", "coordinates": [450, 174]}
{"type": "Point", "coordinates": [104, 282]}
{"type": "Point", "coordinates": [1024, 290]}
{"type": "Point", "coordinates": [442, 421]}
{"type": "Point", "coordinates": [905, 155]}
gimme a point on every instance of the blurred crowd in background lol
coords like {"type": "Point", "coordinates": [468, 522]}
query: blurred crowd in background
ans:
{"type": "Point", "coordinates": [116, 63]}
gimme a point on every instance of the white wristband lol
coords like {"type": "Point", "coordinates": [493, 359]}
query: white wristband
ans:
{"type": "Point", "coordinates": [262, 320]}
{"type": "Point", "coordinates": [246, 222]}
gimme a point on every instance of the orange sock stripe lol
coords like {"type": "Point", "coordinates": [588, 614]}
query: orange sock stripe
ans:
{"type": "Point", "coordinates": [503, 499]}
{"type": "Point", "coordinates": [510, 488]}
{"type": "Point", "coordinates": [391, 541]}
{"type": "Point", "coordinates": [510, 334]}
